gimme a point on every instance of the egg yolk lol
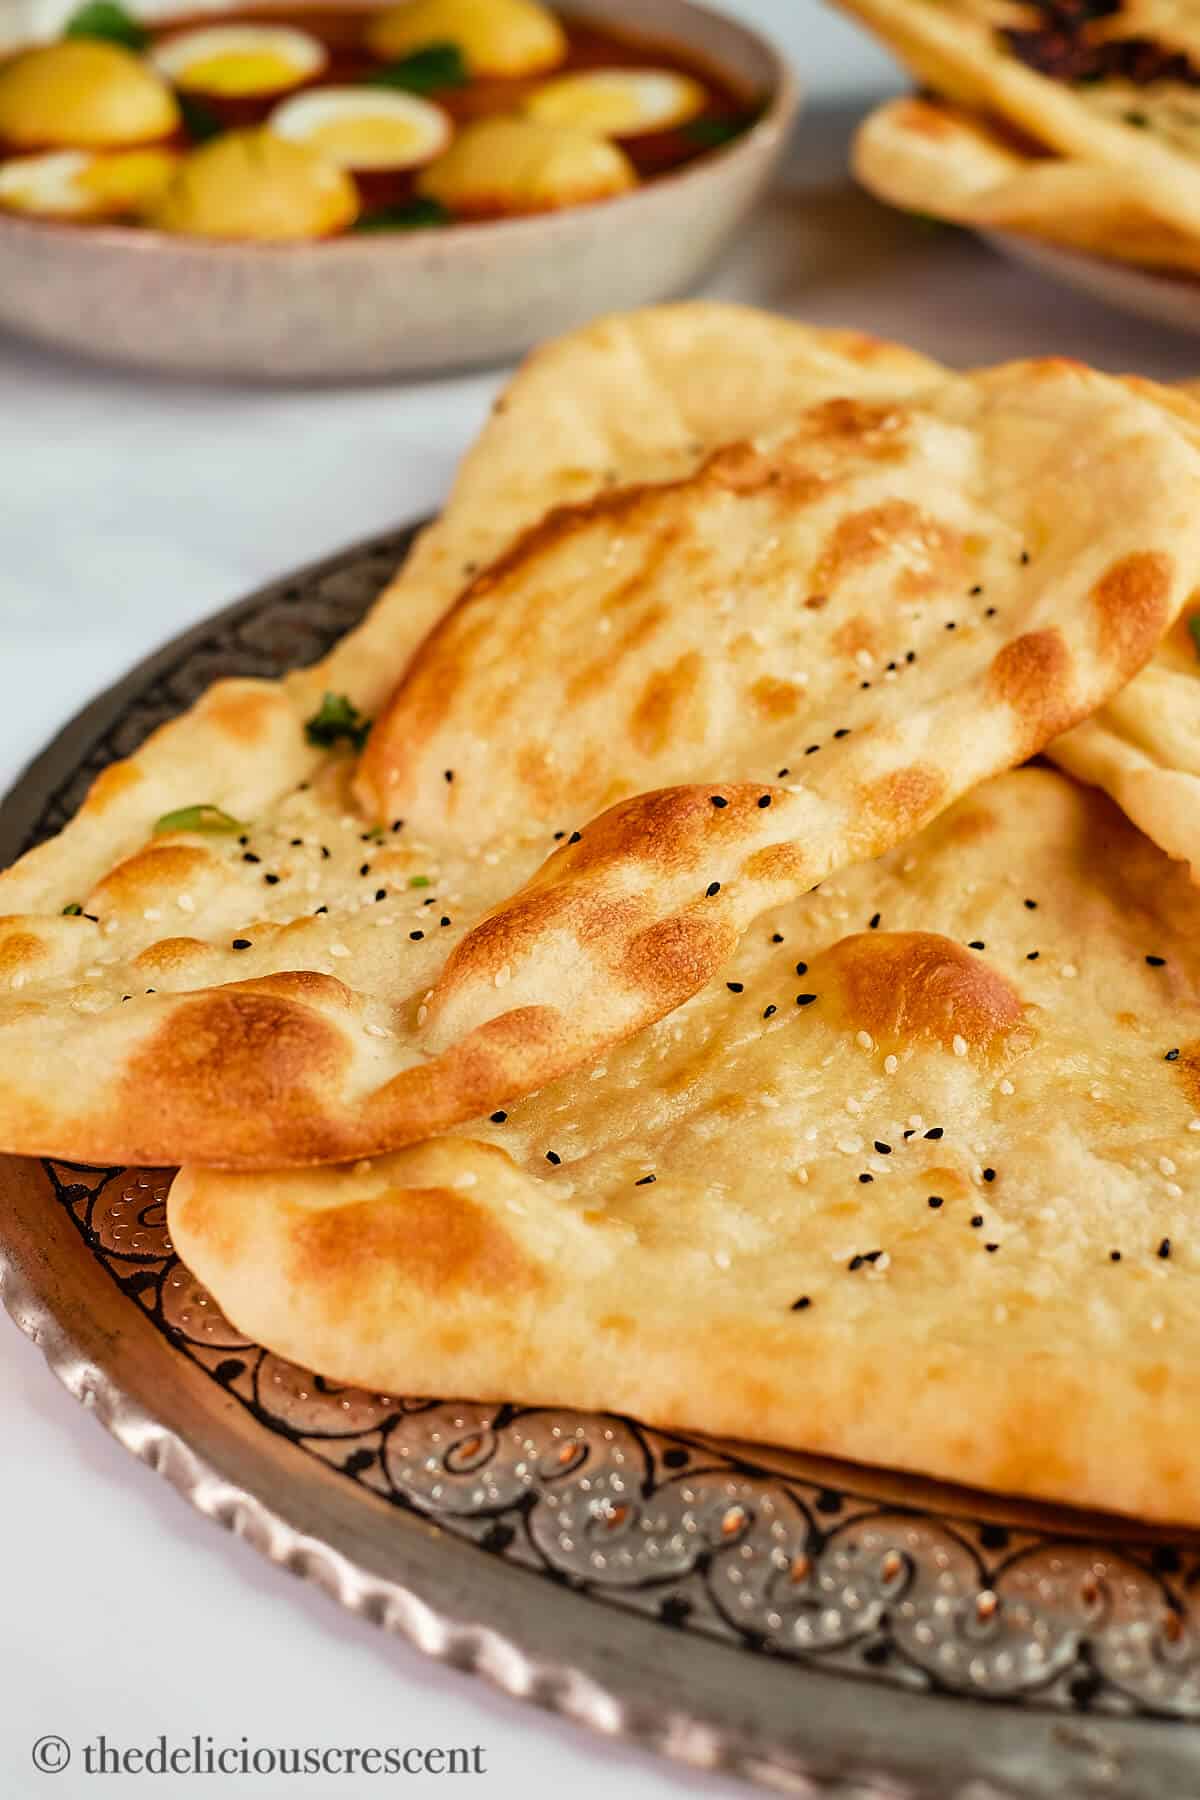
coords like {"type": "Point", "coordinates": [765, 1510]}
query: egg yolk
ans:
{"type": "Point", "coordinates": [496, 37]}
{"type": "Point", "coordinates": [85, 94]}
{"type": "Point", "coordinates": [618, 102]}
{"type": "Point", "coordinates": [508, 165]}
{"type": "Point", "coordinates": [361, 129]}
{"type": "Point", "coordinates": [238, 72]}
{"type": "Point", "coordinates": [85, 184]}
{"type": "Point", "coordinates": [254, 185]}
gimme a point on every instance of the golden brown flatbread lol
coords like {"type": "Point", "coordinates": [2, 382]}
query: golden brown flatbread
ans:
{"type": "Point", "coordinates": [940, 160]}
{"type": "Point", "coordinates": [818, 640]}
{"type": "Point", "coordinates": [910, 1182]}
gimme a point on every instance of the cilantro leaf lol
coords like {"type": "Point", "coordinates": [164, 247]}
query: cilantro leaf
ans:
{"type": "Point", "coordinates": [73, 911]}
{"type": "Point", "coordinates": [204, 817]}
{"type": "Point", "coordinates": [425, 71]}
{"type": "Point", "coordinates": [708, 134]}
{"type": "Point", "coordinates": [412, 215]}
{"type": "Point", "coordinates": [337, 718]}
{"type": "Point", "coordinates": [1193, 626]}
{"type": "Point", "coordinates": [105, 19]}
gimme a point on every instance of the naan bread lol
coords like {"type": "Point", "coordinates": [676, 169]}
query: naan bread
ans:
{"type": "Point", "coordinates": [934, 158]}
{"type": "Point", "coordinates": [1117, 89]}
{"type": "Point", "coordinates": [826, 635]}
{"type": "Point", "coordinates": [911, 1183]}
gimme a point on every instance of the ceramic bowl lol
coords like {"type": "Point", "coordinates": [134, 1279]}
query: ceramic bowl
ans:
{"type": "Point", "coordinates": [382, 304]}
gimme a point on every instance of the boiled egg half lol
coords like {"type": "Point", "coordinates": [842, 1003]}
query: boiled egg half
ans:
{"type": "Point", "coordinates": [618, 102]}
{"type": "Point", "coordinates": [82, 94]}
{"type": "Point", "coordinates": [84, 184]}
{"type": "Point", "coordinates": [253, 185]}
{"type": "Point", "coordinates": [505, 165]}
{"type": "Point", "coordinates": [365, 128]}
{"type": "Point", "coordinates": [236, 61]}
{"type": "Point", "coordinates": [495, 37]}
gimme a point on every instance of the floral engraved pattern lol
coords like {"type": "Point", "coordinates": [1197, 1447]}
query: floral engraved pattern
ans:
{"type": "Point", "coordinates": [671, 1528]}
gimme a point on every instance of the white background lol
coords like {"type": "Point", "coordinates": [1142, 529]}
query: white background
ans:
{"type": "Point", "coordinates": [128, 509]}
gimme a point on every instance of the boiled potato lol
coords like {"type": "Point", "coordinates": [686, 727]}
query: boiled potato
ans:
{"type": "Point", "coordinates": [84, 94]}
{"type": "Point", "coordinates": [505, 165]}
{"type": "Point", "coordinates": [496, 37]}
{"type": "Point", "coordinates": [254, 185]}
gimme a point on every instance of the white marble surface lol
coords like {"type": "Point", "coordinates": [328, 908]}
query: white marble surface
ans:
{"type": "Point", "coordinates": [130, 509]}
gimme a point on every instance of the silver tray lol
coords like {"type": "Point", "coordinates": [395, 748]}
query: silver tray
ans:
{"type": "Point", "coordinates": [818, 1628]}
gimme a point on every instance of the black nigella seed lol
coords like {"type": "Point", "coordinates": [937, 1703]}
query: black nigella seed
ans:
{"type": "Point", "coordinates": [714, 887]}
{"type": "Point", "coordinates": [1024, 556]}
{"type": "Point", "coordinates": [883, 1149]}
{"type": "Point", "coordinates": [718, 800]}
{"type": "Point", "coordinates": [977, 1221]}
{"type": "Point", "coordinates": [1171, 1056]}
{"type": "Point", "coordinates": [873, 921]}
{"type": "Point", "coordinates": [976, 590]}
{"type": "Point", "coordinates": [770, 1012]}
{"type": "Point", "coordinates": [990, 613]}
{"type": "Point", "coordinates": [908, 1134]}
{"type": "Point", "coordinates": [864, 685]}
{"type": "Point", "coordinates": [802, 1304]}
{"type": "Point", "coordinates": [1114, 1256]}
{"type": "Point", "coordinates": [498, 1118]}
{"type": "Point", "coordinates": [416, 936]}
{"type": "Point", "coordinates": [320, 909]}
{"type": "Point", "coordinates": [243, 841]}
{"type": "Point", "coordinates": [777, 937]}
{"type": "Point", "coordinates": [976, 944]}
{"type": "Point", "coordinates": [764, 800]}
{"type": "Point", "coordinates": [951, 625]}
{"type": "Point", "coordinates": [397, 824]}
{"type": "Point", "coordinates": [365, 869]}
{"type": "Point", "coordinates": [1156, 962]}
{"type": "Point", "coordinates": [241, 943]}
{"type": "Point", "coordinates": [381, 893]}
{"type": "Point", "coordinates": [782, 773]}
{"type": "Point", "coordinates": [296, 842]}
{"type": "Point", "coordinates": [805, 999]}
{"type": "Point", "coordinates": [271, 880]}
{"type": "Point", "coordinates": [645, 1180]}
{"type": "Point", "coordinates": [812, 749]}
{"type": "Point", "coordinates": [1032, 905]}
{"type": "Point", "coordinates": [935, 1131]}
{"type": "Point", "coordinates": [856, 1262]}
{"type": "Point", "coordinates": [842, 731]}
{"type": "Point", "coordinates": [1164, 1249]}
{"type": "Point", "coordinates": [910, 656]}
{"type": "Point", "coordinates": [449, 774]}
{"type": "Point", "coordinates": [802, 968]}
{"type": "Point", "coordinates": [735, 987]}
{"type": "Point", "coordinates": [991, 1248]}
{"type": "Point", "coordinates": [325, 853]}
{"type": "Point", "coordinates": [443, 920]}
{"type": "Point", "coordinates": [552, 1156]}
{"type": "Point", "coordinates": [559, 835]}
{"type": "Point", "coordinates": [989, 1174]}
{"type": "Point", "coordinates": [250, 857]}
{"type": "Point", "coordinates": [865, 1178]}
{"type": "Point", "coordinates": [1032, 955]}
{"type": "Point", "coordinates": [575, 837]}
{"type": "Point", "coordinates": [935, 1200]}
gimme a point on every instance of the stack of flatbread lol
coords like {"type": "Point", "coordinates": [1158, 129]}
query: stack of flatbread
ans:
{"type": "Point", "coordinates": [1073, 121]}
{"type": "Point", "coordinates": [717, 943]}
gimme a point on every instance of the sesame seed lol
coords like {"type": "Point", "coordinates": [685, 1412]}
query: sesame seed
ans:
{"type": "Point", "coordinates": [378, 1031]}
{"type": "Point", "coordinates": [1174, 1191]}
{"type": "Point", "coordinates": [714, 887]}
{"type": "Point", "coordinates": [339, 950]}
{"type": "Point", "coordinates": [185, 903]}
{"type": "Point", "coordinates": [864, 1040]}
{"type": "Point", "coordinates": [1006, 1086]}
{"type": "Point", "coordinates": [959, 1044]}
{"type": "Point", "coordinates": [1166, 1165]}
{"type": "Point", "coordinates": [721, 1258]}
{"type": "Point", "coordinates": [1068, 971]}
{"type": "Point", "coordinates": [1194, 1124]}
{"type": "Point", "coordinates": [890, 1065]}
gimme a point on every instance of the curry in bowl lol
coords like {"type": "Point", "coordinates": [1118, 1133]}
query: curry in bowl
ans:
{"type": "Point", "coordinates": [272, 125]}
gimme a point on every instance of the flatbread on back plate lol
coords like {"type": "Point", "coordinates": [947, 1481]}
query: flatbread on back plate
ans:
{"type": "Point", "coordinates": [821, 638]}
{"type": "Point", "coordinates": [911, 1182]}
{"type": "Point", "coordinates": [934, 158]}
{"type": "Point", "coordinates": [1114, 86]}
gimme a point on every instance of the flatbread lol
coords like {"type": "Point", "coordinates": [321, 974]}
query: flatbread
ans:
{"type": "Point", "coordinates": [937, 1216]}
{"type": "Point", "coordinates": [1014, 543]}
{"type": "Point", "coordinates": [937, 159]}
{"type": "Point", "coordinates": [1113, 89]}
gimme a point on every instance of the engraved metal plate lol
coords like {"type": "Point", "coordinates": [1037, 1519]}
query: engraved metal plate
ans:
{"type": "Point", "coordinates": [819, 1628]}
